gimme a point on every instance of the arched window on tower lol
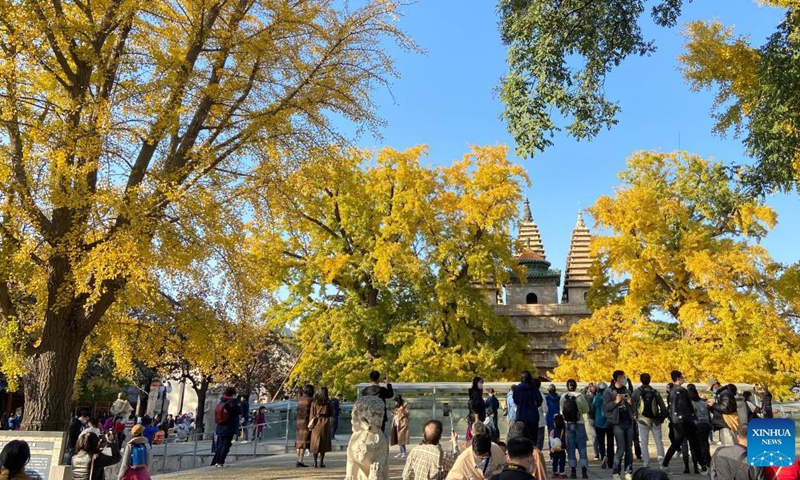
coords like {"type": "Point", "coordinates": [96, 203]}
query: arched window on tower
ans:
{"type": "Point", "coordinates": [531, 299]}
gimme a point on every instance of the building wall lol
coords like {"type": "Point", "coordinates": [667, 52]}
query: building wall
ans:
{"type": "Point", "coordinates": [544, 327]}
{"type": "Point", "coordinates": [577, 295]}
{"type": "Point", "coordinates": [547, 293]}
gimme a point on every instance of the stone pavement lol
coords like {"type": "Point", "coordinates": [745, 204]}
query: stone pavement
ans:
{"type": "Point", "coordinates": [282, 467]}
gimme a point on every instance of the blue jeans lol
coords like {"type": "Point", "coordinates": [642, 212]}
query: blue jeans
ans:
{"type": "Point", "coordinates": [576, 440]}
{"type": "Point", "coordinates": [623, 434]}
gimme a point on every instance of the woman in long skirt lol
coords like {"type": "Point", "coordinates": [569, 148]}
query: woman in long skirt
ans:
{"type": "Point", "coordinates": [322, 411]}
{"type": "Point", "coordinates": [303, 437]}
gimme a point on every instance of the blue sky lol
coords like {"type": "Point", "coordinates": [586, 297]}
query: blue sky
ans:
{"type": "Point", "coordinates": [446, 99]}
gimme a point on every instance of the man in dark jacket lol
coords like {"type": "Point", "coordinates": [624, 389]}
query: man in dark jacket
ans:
{"type": "Point", "coordinates": [492, 409]}
{"type": "Point", "coordinates": [75, 429]}
{"type": "Point", "coordinates": [527, 399]}
{"type": "Point", "coordinates": [730, 463]}
{"type": "Point", "coordinates": [376, 390]}
{"type": "Point", "coordinates": [245, 406]}
{"type": "Point", "coordinates": [617, 404]}
{"type": "Point", "coordinates": [226, 431]}
{"type": "Point", "coordinates": [724, 404]}
{"type": "Point", "coordinates": [681, 414]}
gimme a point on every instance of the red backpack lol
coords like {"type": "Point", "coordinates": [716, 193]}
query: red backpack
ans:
{"type": "Point", "coordinates": [221, 414]}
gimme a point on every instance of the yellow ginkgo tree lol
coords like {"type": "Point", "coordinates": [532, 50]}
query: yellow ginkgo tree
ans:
{"type": "Point", "coordinates": [127, 130]}
{"type": "Point", "coordinates": [699, 293]}
{"type": "Point", "coordinates": [383, 261]}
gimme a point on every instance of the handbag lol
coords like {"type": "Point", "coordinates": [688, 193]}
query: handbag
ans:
{"type": "Point", "coordinates": [312, 422]}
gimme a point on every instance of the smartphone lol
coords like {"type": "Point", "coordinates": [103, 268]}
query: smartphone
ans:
{"type": "Point", "coordinates": [446, 409]}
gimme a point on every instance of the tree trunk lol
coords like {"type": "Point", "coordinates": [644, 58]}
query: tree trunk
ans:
{"type": "Point", "coordinates": [201, 388]}
{"type": "Point", "coordinates": [49, 381]}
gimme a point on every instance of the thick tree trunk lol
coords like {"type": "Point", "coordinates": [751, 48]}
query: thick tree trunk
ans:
{"type": "Point", "coordinates": [49, 381]}
{"type": "Point", "coordinates": [201, 389]}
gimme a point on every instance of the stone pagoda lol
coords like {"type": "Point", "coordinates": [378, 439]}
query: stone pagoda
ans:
{"type": "Point", "coordinates": [531, 303]}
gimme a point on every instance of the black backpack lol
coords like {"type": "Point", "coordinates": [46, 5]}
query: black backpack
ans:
{"type": "Point", "coordinates": [682, 408]}
{"type": "Point", "coordinates": [650, 407]}
{"type": "Point", "coordinates": [570, 409]}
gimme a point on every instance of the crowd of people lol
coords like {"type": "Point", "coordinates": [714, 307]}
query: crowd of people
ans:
{"type": "Point", "coordinates": [617, 417]}
{"type": "Point", "coordinates": [94, 444]}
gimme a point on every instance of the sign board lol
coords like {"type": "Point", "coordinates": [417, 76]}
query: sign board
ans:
{"type": "Point", "coordinates": [47, 450]}
{"type": "Point", "coordinates": [770, 442]}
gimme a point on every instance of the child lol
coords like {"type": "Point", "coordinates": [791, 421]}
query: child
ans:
{"type": "Point", "coordinates": [261, 419]}
{"type": "Point", "coordinates": [558, 446]}
{"type": "Point", "coordinates": [137, 457]}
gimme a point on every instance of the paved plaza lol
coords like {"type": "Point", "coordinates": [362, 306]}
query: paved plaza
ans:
{"type": "Point", "coordinates": [282, 467]}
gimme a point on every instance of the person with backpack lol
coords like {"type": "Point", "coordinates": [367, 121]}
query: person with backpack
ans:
{"type": "Point", "coordinates": [558, 446]}
{"type": "Point", "coordinates": [702, 420]}
{"type": "Point", "coordinates": [650, 412]}
{"type": "Point", "coordinates": [573, 407]}
{"type": "Point", "coordinates": [605, 434]}
{"type": "Point", "coordinates": [226, 417]}
{"type": "Point", "coordinates": [730, 462]}
{"type": "Point", "coordinates": [137, 457]}
{"type": "Point", "coordinates": [618, 406]}
{"type": "Point", "coordinates": [681, 414]}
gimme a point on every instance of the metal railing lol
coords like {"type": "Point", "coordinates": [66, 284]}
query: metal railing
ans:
{"type": "Point", "coordinates": [253, 440]}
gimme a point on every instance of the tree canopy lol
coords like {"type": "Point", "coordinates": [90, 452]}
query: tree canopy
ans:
{"type": "Point", "coordinates": [385, 260]}
{"type": "Point", "coordinates": [697, 290]}
{"type": "Point", "coordinates": [560, 53]}
{"type": "Point", "coordinates": [128, 128]}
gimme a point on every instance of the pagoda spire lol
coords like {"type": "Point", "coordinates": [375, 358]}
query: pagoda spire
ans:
{"type": "Point", "coordinates": [527, 216]}
{"type": "Point", "coordinates": [577, 279]}
{"type": "Point", "coordinates": [579, 223]}
{"type": "Point", "coordinates": [529, 234]}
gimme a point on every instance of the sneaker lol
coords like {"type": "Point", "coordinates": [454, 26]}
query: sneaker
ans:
{"type": "Point", "coordinates": [219, 465]}
{"type": "Point", "coordinates": [664, 469]}
{"type": "Point", "coordinates": [399, 455]}
{"type": "Point", "coordinates": [628, 476]}
{"type": "Point", "coordinates": [616, 477]}
{"type": "Point", "coordinates": [704, 470]}
{"type": "Point", "coordinates": [597, 457]}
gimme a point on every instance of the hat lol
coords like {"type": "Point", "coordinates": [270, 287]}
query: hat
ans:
{"type": "Point", "coordinates": [602, 385]}
{"type": "Point", "coordinates": [551, 388]}
{"type": "Point", "coordinates": [711, 382]}
{"type": "Point", "coordinates": [137, 430]}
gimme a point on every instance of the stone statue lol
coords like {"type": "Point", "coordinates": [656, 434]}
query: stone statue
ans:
{"type": "Point", "coordinates": [368, 450]}
{"type": "Point", "coordinates": [121, 407]}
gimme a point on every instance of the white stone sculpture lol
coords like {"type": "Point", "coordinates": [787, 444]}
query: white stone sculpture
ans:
{"type": "Point", "coordinates": [121, 407]}
{"type": "Point", "coordinates": [368, 450]}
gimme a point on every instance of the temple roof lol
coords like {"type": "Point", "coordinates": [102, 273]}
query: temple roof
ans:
{"type": "Point", "coordinates": [529, 256]}
{"type": "Point", "coordinates": [579, 259]}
